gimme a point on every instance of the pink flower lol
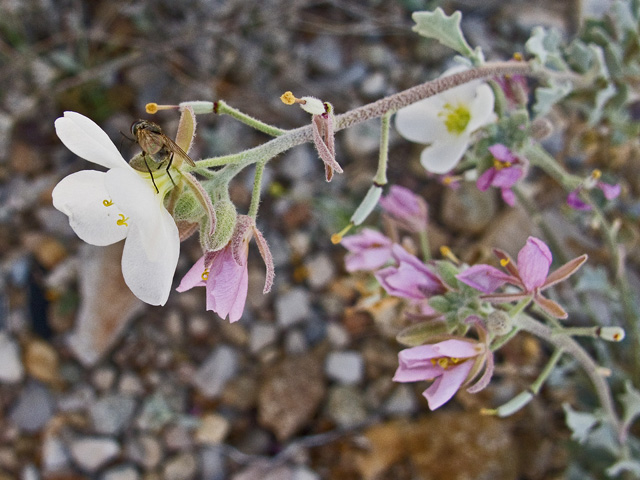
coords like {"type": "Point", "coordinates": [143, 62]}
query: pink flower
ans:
{"type": "Point", "coordinates": [515, 89]}
{"type": "Point", "coordinates": [450, 364]}
{"type": "Point", "coordinates": [410, 279]}
{"type": "Point", "coordinates": [610, 192]}
{"type": "Point", "coordinates": [224, 273]}
{"type": "Point", "coordinates": [531, 275]}
{"type": "Point", "coordinates": [506, 171]}
{"type": "Point", "coordinates": [369, 250]}
{"type": "Point", "coordinates": [409, 210]}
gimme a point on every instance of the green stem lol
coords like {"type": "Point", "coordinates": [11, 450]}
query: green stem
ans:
{"type": "Point", "coordinates": [551, 364]}
{"type": "Point", "coordinates": [255, 195]}
{"type": "Point", "coordinates": [424, 245]}
{"type": "Point", "coordinates": [571, 347]}
{"type": "Point", "coordinates": [540, 158]}
{"type": "Point", "coordinates": [380, 178]}
{"type": "Point", "coordinates": [221, 108]}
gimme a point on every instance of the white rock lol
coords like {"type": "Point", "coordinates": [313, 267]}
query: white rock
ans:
{"type": "Point", "coordinates": [262, 334]}
{"type": "Point", "coordinates": [212, 430]}
{"type": "Point", "coordinates": [181, 467]}
{"type": "Point", "coordinates": [337, 335]}
{"type": "Point", "coordinates": [112, 413]}
{"type": "Point", "coordinates": [303, 473]}
{"type": "Point", "coordinates": [345, 367]}
{"type": "Point", "coordinates": [91, 453]}
{"type": "Point", "coordinates": [146, 451]}
{"type": "Point", "coordinates": [401, 402]}
{"type": "Point", "coordinates": [217, 369]}
{"type": "Point", "coordinates": [295, 342]}
{"type": "Point", "coordinates": [12, 370]}
{"type": "Point", "coordinates": [321, 271]}
{"type": "Point", "coordinates": [121, 472]}
{"type": "Point", "coordinates": [54, 455]}
{"type": "Point", "coordinates": [33, 409]}
{"type": "Point", "coordinates": [292, 307]}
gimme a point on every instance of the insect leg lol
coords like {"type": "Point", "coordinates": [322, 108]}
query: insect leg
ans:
{"type": "Point", "coordinates": [144, 156]}
{"type": "Point", "coordinates": [169, 166]}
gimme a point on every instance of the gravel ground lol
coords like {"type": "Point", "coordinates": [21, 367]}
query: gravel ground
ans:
{"type": "Point", "coordinates": [94, 384]}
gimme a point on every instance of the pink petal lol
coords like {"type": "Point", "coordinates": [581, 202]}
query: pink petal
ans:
{"type": "Point", "coordinates": [193, 278]}
{"type": "Point", "coordinates": [484, 278]}
{"type": "Point", "coordinates": [484, 181]}
{"type": "Point", "coordinates": [445, 386]}
{"type": "Point", "coordinates": [507, 177]}
{"type": "Point", "coordinates": [419, 373]}
{"type": "Point", "coordinates": [227, 285]}
{"type": "Point", "coordinates": [502, 153]}
{"type": "Point", "coordinates": [610, 191]}
{"type": "Point", "coordinates": [573, 200]}
{"type": "Point", "coordinates": [267, 258]}
{"type": "Point", "coordinates": [484, 380]}
{"type": "Point", "coordinates": [509, 197]}
{"type": "Point", "coordinates": [534, 260]}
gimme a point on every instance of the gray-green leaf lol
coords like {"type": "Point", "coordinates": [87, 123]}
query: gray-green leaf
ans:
{"type": "Point", "coordinates": [445, 29]}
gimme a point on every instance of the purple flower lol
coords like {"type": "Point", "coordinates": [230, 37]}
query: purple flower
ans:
{"type": "Point", "coordinates": [530, 274]}
{"type": "Point", "coordinates": [507, 169]}
{"type": "Point", "coordinates": [409, 210]}
{"type": "Point", "coordinates": [610, 192]}
{"type": "Point", "coordinates": [515, 89]}
{"type": "Point", "coordinates": [450, 364]}
{"type": "Point", "coordinates": [410, 279]}
{"type": "Point", "coordinates": [224, 272]}
{"type": "Point", "coordinates": [369, 250]}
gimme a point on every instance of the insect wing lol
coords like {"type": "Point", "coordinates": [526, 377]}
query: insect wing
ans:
{"type": "Point", "coordinates": [175, 148]}
{"type": "Point", "coordinates": [151, 142]}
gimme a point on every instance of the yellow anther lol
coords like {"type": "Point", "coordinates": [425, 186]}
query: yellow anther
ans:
{"type": "Point", "coordinates": [596, 174]}
{"type": "Point", "coordinates": [288, 98]}
{"type": "Point", "coordinates": [488, 411]}
{"type": "Point", "coordinates": [152, 108]}
{"type": "Point", "coordinates": [447, 253]}
{"type": "Point", "coordinates": [205, 275]}
{"type": "Point", "coordinates": [443, 363]}
{"type": "Point", "coordinates": [455, 360]}
{"type": "Point", "coordinates": [456, 119]}
{"type": "Point", "coordinates": [122, 220]}
{"type": "Point", "coordinates": [499, 164]}
{"type": "Point", "coordinates": [504, 262]}
{"type": "Point", "coordinates": [336, 238]}
{"type": "Point", "coordinates": [447, 181]}
{"type": "Point", "coordinates": [518, 56]}
{"type": "Point", "coordinates": [107, 203]}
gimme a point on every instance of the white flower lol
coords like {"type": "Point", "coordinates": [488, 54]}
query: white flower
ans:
{"type": "Point", "coordinates": [446, 122]}
{"type": "Point", "coordinates": [122, 203]}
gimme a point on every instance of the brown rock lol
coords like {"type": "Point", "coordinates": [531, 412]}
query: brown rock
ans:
{"type": "Point", "coordinates": [290, 395]}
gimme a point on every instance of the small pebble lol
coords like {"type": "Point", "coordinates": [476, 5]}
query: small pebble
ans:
{"type": "Point", "coordinates": [212, 430]}
{"type": "Point", "coordinates": [34, 407]}
{"type": "Point", "coordinates": [91, 453]}
{"type": "Point", "coordinates": [180, 467]}
{"type": "Point", "coordinates": [345, 367]}
{"type": "Point", "coordinates": [217, 369]}
{"type": "Point", "coordinates": [12, 370]}
{"type": "Point", "coordinates": [292, 307]}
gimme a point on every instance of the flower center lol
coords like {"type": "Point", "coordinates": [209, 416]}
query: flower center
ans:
{"type": "Point", "coordinates": [446, 362]}
{"type": "Point", "coordinates": [499, 164]}
{"type": "Point", "coordinates": [456, 118]}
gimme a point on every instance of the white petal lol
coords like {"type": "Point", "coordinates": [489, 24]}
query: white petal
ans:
{"type": "Point", "coordinates": [442, 156]}
{"type": "Point", "coordinates": [81, 196]}
{"type": "Point", "coordinates": [481, 108]}
{"type": "Point", "coordinates": [150, 280]}
{"type": "Point", "coordinates": [420, 122]}
{"type": "Point", "coordinates": [139, 201]}
{"type": "Point", "coordinates": [87, 140]}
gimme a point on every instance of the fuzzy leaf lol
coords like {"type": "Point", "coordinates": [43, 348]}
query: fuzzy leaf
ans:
{"type": "Point", "coordinates": [445, 29]}
{"type": "Point", "coordinates": [580, 423]}
{"type": "Point", "coordinates": [547, 97]}
{"type": "Point", "coordinates": [545, 46]}
{"type": "Point", "coordinates": [420, 333]}
{"type": "Point", "coordinates": [631, 401]}
{"type": "Point", "coordinates": [617, 468]}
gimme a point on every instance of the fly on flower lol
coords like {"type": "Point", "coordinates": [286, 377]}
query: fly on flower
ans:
{"type": "Point", "coordinates": [157, 147]}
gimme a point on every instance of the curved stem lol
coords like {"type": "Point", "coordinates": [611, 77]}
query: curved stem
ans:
{"type": "Point", "coordinates": [377, 109]}
{"type": "Point", "coordinates": [571, 347]}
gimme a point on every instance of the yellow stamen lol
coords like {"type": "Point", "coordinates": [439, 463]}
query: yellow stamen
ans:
{"type": "Point", "coordinates": [488, 411]}
{"type": "Point", "coordinates": [336, 238]}
{"type": "Point", "coordinates": [504, 262]}
{"type": "Point", "coordinates": [107, 203]}
{"type": "Point", "coordinates": [152, 108]}
{"type": "Point", "coordinates": [122, 220]}
{"type": "Point", "coordinates": [205, 275]}
{"type": "Point", "coordinates": [518, 56]}
{"type": "Point", "coordinates": [456, 119]}
{"type": "Point", "coordinates": [596, 174]}
{"type": "Point", "coordinates": [499, 164]}
{"type": "Point", "coordinates": [447, 253]}
{"type": "Point", "coordinates": [443, 363]}
{"type": "Point", "coordinates": [288, 98]}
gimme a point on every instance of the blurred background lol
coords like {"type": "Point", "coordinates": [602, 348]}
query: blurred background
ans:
{"type": "Point", "coordinates": [94, 384]}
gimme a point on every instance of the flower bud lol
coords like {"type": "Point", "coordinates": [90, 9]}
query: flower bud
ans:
{"type": "Point", "coordinates": [499, 323]}
{"type": "Point", "coordinates": [188, 208]}
{"type": "Point", "coordinates": [611, 334]}
{"type": "Point", "coordinates": [541, 128]}
{"type": "Point", "coordinates": [312, 105]}
{"type": "Point", "coordinates": [421, 333]}
{"type": "Point", "coordinates": [512, 406]}
{"type": "Point", "coordinates": [368, 204]}
{"type": "Point", "coordinates": [199, 106]}
{"type": "Point", "coordinates": [226, 218]}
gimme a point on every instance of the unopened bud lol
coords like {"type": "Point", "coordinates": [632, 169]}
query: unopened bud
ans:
{"type": "Point", "coordinates": [512, 406]}
{"type": "Point", "coordinates": [541, 128]}
{"type": "Point", "coordinates": [367, 205]}
{"type": "Point", "coordinates": [312, 105]}
{"type": "Point", "coordinates": [199, 106]}
{"type": "Point", "coordinates": [499, 323]}
{"type": "Point", "coordinates": [611, 334]}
